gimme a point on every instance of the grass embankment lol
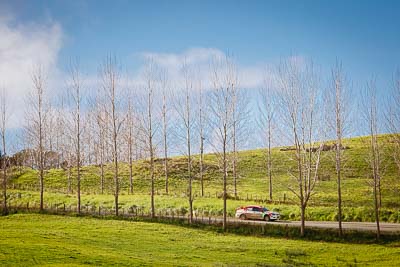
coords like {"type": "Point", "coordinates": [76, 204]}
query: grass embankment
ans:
{"type": "Point", "coordinates": [252, 185]}
{"type": "Point", "coordinates": [57, 240]}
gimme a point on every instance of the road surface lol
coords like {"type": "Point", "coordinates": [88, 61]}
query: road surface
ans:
{"type": "Point", "coordinates": [356, 226]}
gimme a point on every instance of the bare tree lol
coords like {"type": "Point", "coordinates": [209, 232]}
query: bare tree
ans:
{"type": "Point", "coordinates": [148, 127]}
{"type": "Point", "coordinates": [87, 139]}
{"type": "Point", "coordinates": [60, 129]}
{"type": "Point", "coordinates": [69, 163]}
{"type": "Point", "coordinates": [130, 140]}
{"type": "Point", "coordinates": [338, 118]}
{"type": "Point", "coordinates": [101, 127]}
{"type": "Point", "coordinates": [110, 79]}
{"type": "Point", "coordinates": [63, 142]}
{"type": "Point", "coordinates": [4, 156]}
{"type": "Point", "coordinates": [36, 118]}
{"type": "Point", "coordinates": [221, 105]}
{"type": "Point", "coordinates": [75, 87]}
{"type": "Point", "coordinates": [201, 124]}
{"type": "Point", "coordinates": [267, 113]}
{"type": "Point", "coordinates": [239, 120]}
{"type": "Point", "coordinates": [374, 157]}
{"type": "Point", "coordinates": [299, 106]}
{"type": "Point", "coordinates": [164, 85]}
{"type": "Point", "coordinates": [183, 107]}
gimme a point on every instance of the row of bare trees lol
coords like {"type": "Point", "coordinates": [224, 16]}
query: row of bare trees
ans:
{"type": "Point", "coordinates": [110, 121]}
{"type": "Point", "coordinates": [305, 113]}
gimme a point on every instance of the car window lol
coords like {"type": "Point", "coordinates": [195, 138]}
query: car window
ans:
{"type": "Point", "coordinates": [265, 209]}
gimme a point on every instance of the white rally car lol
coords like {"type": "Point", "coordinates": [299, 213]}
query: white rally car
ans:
{"type": "Point", "coordinates": [256, 213]}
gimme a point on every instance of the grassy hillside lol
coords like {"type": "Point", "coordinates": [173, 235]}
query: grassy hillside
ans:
{"type": "Point", "coordinates": [252, 185]}
{"type": "Point", "coordinates": [71, 241]}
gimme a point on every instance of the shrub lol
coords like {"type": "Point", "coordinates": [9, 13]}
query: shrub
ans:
{"type": "Point", "coordinates": [182, 210]}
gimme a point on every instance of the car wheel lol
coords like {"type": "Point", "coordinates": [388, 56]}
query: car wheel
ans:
{"type": "Point", "coordinates": [242, 217]}
{"type": "Point", "coordinates": [266, 218]}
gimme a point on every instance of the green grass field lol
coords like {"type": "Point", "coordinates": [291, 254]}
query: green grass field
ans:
{"type": "Point", "coordinates": [252, 186]}
{"type": "Point", "coordinates": [73, 241]}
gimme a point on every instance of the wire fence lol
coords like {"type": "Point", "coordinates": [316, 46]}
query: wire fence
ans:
{"type": "Point", "coordinates": [256, 198]}
{"type": "Point", "coordinates": [129, 214]}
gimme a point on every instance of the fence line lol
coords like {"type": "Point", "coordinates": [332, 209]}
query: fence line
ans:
{"type": "Point", "coordinates": [100, 211]}
{"type": "Point", "coordinates": [256, 198]}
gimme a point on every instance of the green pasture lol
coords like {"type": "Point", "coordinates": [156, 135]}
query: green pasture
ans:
{"type": "Point", "coordinates": [29, 240]}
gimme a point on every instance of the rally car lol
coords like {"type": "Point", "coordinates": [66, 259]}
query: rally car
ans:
{"type": "Point", "coordinates": [256, 213]}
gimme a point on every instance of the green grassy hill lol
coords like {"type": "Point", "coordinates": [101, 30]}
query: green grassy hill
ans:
{"type": "Point", "coordinates": [252, 186]}
{"type": "Point", "coordinates": [74, 241]}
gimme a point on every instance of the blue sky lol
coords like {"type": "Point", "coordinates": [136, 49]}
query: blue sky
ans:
{"type": "Point", "coordinates": [364, 35]}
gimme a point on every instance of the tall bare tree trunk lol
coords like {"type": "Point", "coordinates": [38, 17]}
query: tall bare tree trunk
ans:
{"type": "Point", "coordinates": [376, 178]}
{"type": "Point", "coordinates": [225, 170]}
{"type": "Point", "coordinates": [110, 77]}
{"type": "Point", "coordinates": [340, 105]}
{"type": "Point", "coordinates": [102, 172]}
{"type": "Point", "coordinates": [164, 115]}
{"type": "Point", "coordinates": [222, 101]}
{"type": "Point", "coordinates": [76, 85]}
{"type": "Point", "coordinates": [130, 158]}
{"type": "Point", "coordinates": [234, 136]}
{"type": "Point", "coordinates": [4, 167]}
{"type": "Point", "coordinates": [183, 109]}
{"type": "Point", "coordinates": [69, 183]}
{"type": "Point", "coordinates": [115, 150]}
{"type": "Point", "coordinates": [267, 110]}
{"type": "Point", "coordinates": [130, 144]}
{"type": "Point", "coordinates": [201, 161]}
{"type": "Point", "coordinates": [115, 158]}
{"type": "Point", "coordinates": [339, 177]}
{"type": "Point", "coordinates": [302, 218]}
{"type": "Point", "coordinates": [150, 76]}
{"type": "Point", "coordinates": [371, 112]}
{"type": "Point", "coordinates": [189, 157]}
{"type": "Point", "coordinates": [269, 161]}
{"type": "Point", "coordinates": [151, 150]}
{"type": "Point", "coordinates": [78, 157]}
{"type": "Point", "coordinates": [101, 124]}
{"type": "Point", "coordinates": [3, 125]}
{"type": "Point", "coordinates": [36, 124]}
{"type": "Point", "coordinates": [41, 156]}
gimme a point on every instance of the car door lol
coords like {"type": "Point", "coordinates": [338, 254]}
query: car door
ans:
{"type": "Point", "coordinates": [253, 213]}
{"type": "Point", "coordinates": [247, 212]}
{"type": "Point", "coordinates": [257, 213]}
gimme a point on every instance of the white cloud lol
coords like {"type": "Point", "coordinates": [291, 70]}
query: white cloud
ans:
{"type": "Point", "coordinates": [200, 59]}
{"type": "Point", "coordinates": [22, 46]}
{"type": "Point", "coordinates": [193, 56]}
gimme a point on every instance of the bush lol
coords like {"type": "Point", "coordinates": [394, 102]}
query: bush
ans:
{"type": "Point", "coordinates": [394, 217]}
{"type": "Point", "coordinates": [183, 211]}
